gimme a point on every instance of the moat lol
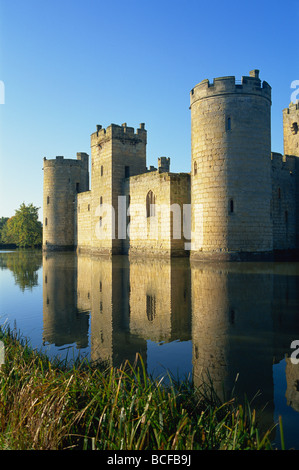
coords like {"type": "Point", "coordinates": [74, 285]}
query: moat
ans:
{"type": "Point", "coordinates": [235, 320]}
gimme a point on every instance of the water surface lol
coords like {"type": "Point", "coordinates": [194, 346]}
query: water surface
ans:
{"type": "Point", "coordinates": [232, 321]}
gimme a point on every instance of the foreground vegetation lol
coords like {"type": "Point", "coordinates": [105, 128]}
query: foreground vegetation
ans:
{"type": "Point", "coordinates": [46, 405]}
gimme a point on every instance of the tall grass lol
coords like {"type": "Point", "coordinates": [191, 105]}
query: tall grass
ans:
{"type": "Point", "coordinates": [47, 405]}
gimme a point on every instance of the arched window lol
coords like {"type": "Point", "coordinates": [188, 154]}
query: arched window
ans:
{"type": "Point", "coordinates": [150, 204]}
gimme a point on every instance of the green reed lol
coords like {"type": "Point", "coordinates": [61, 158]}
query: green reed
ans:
{"type": "Point", "coordinates": [49, 405]}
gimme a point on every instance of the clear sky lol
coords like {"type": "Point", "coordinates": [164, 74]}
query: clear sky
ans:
{"type": "Point", "coordinates": [68, 65]}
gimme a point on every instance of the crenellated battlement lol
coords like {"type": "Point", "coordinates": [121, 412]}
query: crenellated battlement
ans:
{"type": "Point", "coordinates": [82, 161]}
{"type": "Point", "coordinates": [122, 132]}
{"type": "Point", "coordinates": [283, 162]}
{"type": "Point", "coordinates": [292, 109]}
{"type": "Point", "coordinates": [251, 85]}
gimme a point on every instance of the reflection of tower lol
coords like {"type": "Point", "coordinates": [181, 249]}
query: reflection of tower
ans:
{"type": "Point", "coordinates": [63, 324]}
{"type": "Point", "coordinates": [210, 321]}
{"type": "Point", "coordinates": [103, 287]}
{"type": "Point", "coordinates": [231, 158]}
{"type": "Point", "coordinates": [232, 330]}
{"type": "Point", "coordinates": [160, 313]}
{"type": "Point", "coordinates": [160, 299]}
{"type": "Point", "coordinates": [292, 376]}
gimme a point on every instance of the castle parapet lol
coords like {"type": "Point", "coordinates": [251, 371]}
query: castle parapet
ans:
{"type": "Point", "coordinates": [283, 162]}
{"type": "Point", "coordinates": [122, 132]}
{"type": "Point", "coordinates": [226, 85]}
{"type": "Point", "coordinates": [292, 108]}
{"type": "Point", "coordinates": [81, 162]}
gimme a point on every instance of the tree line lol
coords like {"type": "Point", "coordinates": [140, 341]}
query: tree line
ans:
{"type": "Point", "coordinates": [23, 229]}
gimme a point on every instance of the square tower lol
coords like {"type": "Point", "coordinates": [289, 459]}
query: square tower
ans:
{"type": "Point", "coordinates": [117, 153]}
{"type": "Point", "coordinates": [291, 129]}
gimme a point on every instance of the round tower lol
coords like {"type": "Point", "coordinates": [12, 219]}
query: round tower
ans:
{"type": "Point", "coordinates": [63, 179]}
{"type": "Point", "coordinates": [231, 167]}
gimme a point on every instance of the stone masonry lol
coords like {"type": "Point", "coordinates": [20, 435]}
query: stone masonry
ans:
{"type": "Point", "coordinates": [238, 202]}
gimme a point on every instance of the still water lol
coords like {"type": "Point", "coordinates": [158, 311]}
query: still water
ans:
{"type": "Point", "coordinates": [232, 321]}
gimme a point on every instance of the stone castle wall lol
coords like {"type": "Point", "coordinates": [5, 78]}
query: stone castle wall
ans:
{"type": "Point", "coordinates": [284, 212]}
{"type": "Point", "coordinates": [162, 231]}
{"type": "Point", "coordinates": [84, 221]}
{"type": "Point", "coordinates": [242, 200]}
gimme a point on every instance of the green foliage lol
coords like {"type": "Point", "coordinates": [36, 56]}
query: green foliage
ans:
{"type": "Point", "coordinates": [3, 221]}
{"type": "Point", "coordinates": [23, 229]}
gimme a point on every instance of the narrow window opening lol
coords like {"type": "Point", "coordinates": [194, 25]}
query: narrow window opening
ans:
{"type": "Point", "coordinates": [228, 124]}
{"type": "Point", "coordinates": [150, 204]}
{"type": "Point", "coordinates": [127, 171]}
{"type": "Point", "coordinates": [46, 221]}
{"type": "Point", "coordinates": [232, 316]}
{"type": "Point", "coordinates": [48, 199]}
{"type": "Point", "coordinates": [102, 170]}
{"type": "Point", "coordinates": [101, 200]}
{"type": "Point", "coordinates": [294, 128]}
{"type": "Point", "coordinates": [231, 206]}
{"type": "Point", "coordinates": [77, 187]}
{"type": "Point", "coordinates": [101, 221]}
{"type": "Point", "coordinates": [195, 168]}
{"type": "Point", "coordinates": [88, 207]}
{"type": "Point", "coordinates": [101, 286]}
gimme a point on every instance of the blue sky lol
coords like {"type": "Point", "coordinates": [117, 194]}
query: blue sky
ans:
{"type": "Point", "coordinates": [68, 65]}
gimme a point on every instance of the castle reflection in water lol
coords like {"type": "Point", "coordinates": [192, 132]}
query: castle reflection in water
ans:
{"type": "Point", "coordinates": [240, 318]}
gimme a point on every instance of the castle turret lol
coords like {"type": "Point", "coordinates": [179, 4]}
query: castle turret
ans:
{"type": "Point", "coordinates": [231, 167]}
{"type": "Point", "coordinates": [63, 179]}
{"type": "Point", "coordinates": [291, 129]}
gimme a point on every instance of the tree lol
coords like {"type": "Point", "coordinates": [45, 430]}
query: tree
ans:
{"type": "Point", "coordinates": [3, 221]}
{"type": "Point", "coordinates": [24, 229]}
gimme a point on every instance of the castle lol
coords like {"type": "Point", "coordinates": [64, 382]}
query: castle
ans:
{"type": "Point", "coordinates": [238, 202]}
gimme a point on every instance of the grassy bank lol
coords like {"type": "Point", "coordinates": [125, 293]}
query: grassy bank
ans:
{"type": "Point", "coordinates": [45, 405]}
